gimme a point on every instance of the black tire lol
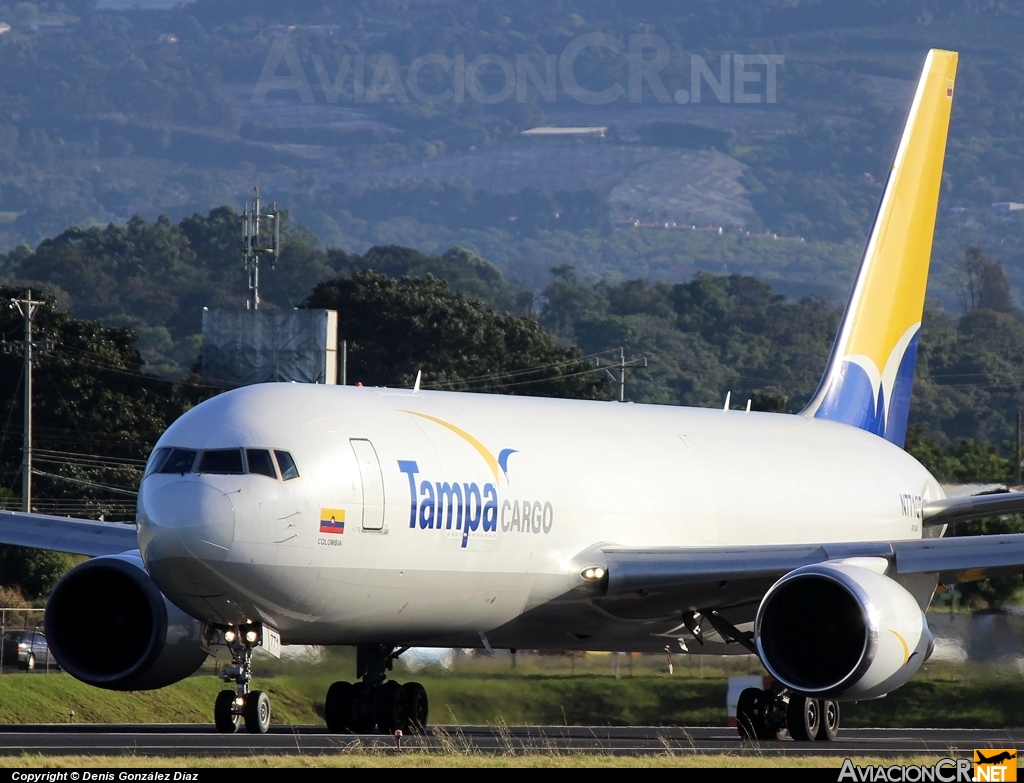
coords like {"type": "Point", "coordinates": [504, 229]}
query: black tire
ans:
{"type": "Point", "coordinates": [390, 707]}
{"type": "Point", "coordinates": [338, 708]}
{"type": "Point", "coordinates": [828, 728]}
{"type": "Point", "coordinates": [256, 712]}
{"type": "Point", "coordinates": [364, 716]}
{"type": "Point", "coordinates": [416, 707]}
{"type": "Point", "coordinates": [750, 714]}
{"type": "Point", "coordinates": [224, 717]}
{"type": "Point", "coordinates": [30, 662]}
{"type": "Point", "coordinates": [803, 717]}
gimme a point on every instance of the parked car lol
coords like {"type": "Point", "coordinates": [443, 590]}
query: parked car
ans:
{"type": "Point", "coordinates": [27, 649]}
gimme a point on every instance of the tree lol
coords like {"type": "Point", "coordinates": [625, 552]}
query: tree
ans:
{"type": "Point", "coordinates": [96, 413]}
{"type": "Point", "coordinates": [982, 285]}
{"type": "Point", "coordinates": [96, 416]}
{"type": "Point", "coordinates": [396, 328]}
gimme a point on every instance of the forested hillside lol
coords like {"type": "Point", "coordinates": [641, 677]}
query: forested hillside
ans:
{"type": "Point", "coordinates": [702, 338]}
{"type": "Point", "coordinates": [107, 114]}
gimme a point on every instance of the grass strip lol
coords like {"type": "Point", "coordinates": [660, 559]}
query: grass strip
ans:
{"type": "Point", "coordinates": [368, 757]}
{"type": "Point", "coordinates": [987, 700]}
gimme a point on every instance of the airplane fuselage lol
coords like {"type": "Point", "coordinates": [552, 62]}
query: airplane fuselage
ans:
{"type": "Point", "coordinates": [439, 518]}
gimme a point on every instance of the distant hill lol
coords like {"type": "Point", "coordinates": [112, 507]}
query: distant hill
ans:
{"type": "Point", "coordinates": [108, 112]}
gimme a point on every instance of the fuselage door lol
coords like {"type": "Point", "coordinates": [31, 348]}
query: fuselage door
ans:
{"type": "Point", "coordinates": [373, 484]}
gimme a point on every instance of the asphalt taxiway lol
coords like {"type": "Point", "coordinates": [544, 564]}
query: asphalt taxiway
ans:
{"type": "Point", "coordinates": [203, 740]}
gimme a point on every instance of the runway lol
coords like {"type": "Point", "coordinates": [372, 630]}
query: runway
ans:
{"type": "Point", "coordinates": [203, 740]}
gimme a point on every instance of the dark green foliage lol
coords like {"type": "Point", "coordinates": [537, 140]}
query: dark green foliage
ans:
{"type": "Point", "coordinates": [981, 284]}
{"type": "Point", "coordinates": [769, 402]}
{"type": "Point", "coordinates": [965, 462]}
{"type": "Point", "coordinates": [156, 278]}
{"type": "Point", "coordinates": [968, 382]}
{"type": "Point", "coordinates": [95, 417]}
{"type": "Point", "coordinates": [702, 339]}
{"type": "Point", "coordinates": [96, 413]}
{"type": "Point", "coordinates": [396, 328]}
{"type": "Point", "coordinates": [462, 269]}
{"type": "Point", "coordinates": [33, 571]}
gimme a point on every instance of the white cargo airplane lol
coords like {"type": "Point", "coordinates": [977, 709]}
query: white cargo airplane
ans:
{"type": "Point", "coordinates": [384, 518]}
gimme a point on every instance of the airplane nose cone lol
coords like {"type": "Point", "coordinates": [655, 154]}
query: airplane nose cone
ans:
{"type": "Point", "coordinates": [187, 519]}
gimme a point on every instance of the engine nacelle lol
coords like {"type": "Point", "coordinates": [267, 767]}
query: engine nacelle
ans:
{"type": "Point", "coordinates": [841, 630]}
{"type": "Point", "coordinates": [109, 625]}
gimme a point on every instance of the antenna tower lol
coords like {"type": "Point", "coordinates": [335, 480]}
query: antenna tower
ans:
{"type": "Point", "coordinates": [255, 225]}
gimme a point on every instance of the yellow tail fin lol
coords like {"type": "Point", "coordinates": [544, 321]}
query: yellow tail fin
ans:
{"type": "Point", "coordinates": [868, 379]}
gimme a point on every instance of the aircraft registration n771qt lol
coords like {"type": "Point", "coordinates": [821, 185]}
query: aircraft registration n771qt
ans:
{"type": "Point", "coordinates": [381, 518]}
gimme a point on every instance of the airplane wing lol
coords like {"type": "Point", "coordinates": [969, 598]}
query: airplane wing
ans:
{"type": "Point", "coordinates": [955, 560]}
{"type": "Point", "coordinates": [61, 534]}
{"type": "Point", "coordinates": [958, 509]}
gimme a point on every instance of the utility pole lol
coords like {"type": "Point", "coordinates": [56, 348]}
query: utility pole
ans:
{"type": "Point", "coordinates": [1016, 472]}
{"type": "Point", "coordinates": [27, 307]}
{"type": "Point", "coordinates": [622, 366]}
{"type": "Point", "coordinates": [252, 219]}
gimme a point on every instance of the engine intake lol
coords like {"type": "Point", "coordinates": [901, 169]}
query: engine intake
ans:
{"type": "Point", "coordinates": [841, 630]}
{"type": "Point", "coordinates": [109, 625]}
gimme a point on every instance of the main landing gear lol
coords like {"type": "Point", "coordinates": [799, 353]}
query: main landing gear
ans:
{"type": "Point", "coordinates": [767, 714]}
{"type": "Point", "coordinates": [241, 705]}
{"type": "Point", "coordinates": [373, 702]}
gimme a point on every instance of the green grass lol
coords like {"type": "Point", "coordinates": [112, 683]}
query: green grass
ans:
{"type": "Point", "coordinates": [42, 698]}
{"type": "Point", "coordinates": [540, 690]}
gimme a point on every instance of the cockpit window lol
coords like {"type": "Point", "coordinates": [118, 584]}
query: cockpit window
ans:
{"type": "Point", "coordinates": [179, 461]}
{"type": "Point", "coordinates": [287, 465]}
{"type": "Point", "coordinates": [223, 461]}
{"type": "Point", "coordinates": [156, 459]}
{"type": "Point", "coordinates": [260, 462]}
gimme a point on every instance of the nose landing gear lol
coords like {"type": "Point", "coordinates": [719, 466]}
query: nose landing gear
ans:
{"type": "Point", "coordinates": [241, 705]}
{"type": "Point", "coordinates": [373, 702]}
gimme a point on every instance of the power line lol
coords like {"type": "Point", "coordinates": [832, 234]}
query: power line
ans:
{"type": "Point", "coordinates": [78, 458]}
{"type": "Point", "coordinates": [83, 482]}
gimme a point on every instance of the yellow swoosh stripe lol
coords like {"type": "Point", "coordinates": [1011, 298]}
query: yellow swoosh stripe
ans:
{"type": "Point", "coordinates": [489, 458]}
{"type": "Point", "coordinates": [906, 647]}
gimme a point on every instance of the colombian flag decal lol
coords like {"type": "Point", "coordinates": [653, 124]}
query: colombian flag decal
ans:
{"type": "Point", "coordinates": [332, 520]}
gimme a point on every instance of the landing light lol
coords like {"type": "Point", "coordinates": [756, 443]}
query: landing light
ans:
{"type": "Point", "coordinates": [593, 573]}
{"type": "Point", "coordinates": [239, 701]}
{"type": "Point", "coordinates": [251, 636]}
{"type": "Point", "coordinates": [229, 636]}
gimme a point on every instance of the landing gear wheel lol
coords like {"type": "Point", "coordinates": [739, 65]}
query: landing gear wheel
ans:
{"type": "Point", "coordinates": [364, 715]}
{"type": "Point", "coordinates": [390, 707]}
{"type": "Point", "coordinates": [30, 662]}
{"type": "Point", "coordinates": [416, 707]}
{"type": "Point", "coordinates": [256, 712]}
{"type": "Point", "coordinates": [803, 718]}
{"type": "Point", "coordinates": [338, 707]}
{"type": "Point", "coordinates": [224, 716]}
{"type": "Point", "coordinates": [828, 729]}
{"type": "Point", "coordinates": [750, 715]}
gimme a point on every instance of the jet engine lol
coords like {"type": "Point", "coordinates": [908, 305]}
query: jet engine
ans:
{"type": "Point", "coordinates": [109, 625]}
{"type": "Point", "coordinates": [841, 630]}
